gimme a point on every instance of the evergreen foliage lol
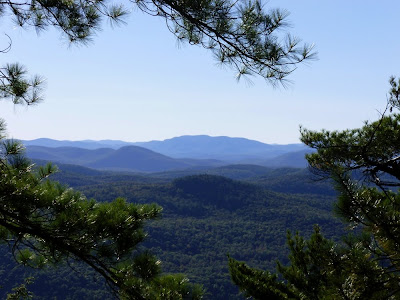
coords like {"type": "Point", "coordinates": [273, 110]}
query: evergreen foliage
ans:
{"type": "Point", "coordinates": [44, 222]}
{"type": "Point", "coordinates": [21, 291]}
{"type": "Point", "coordinates": [240, 34]}
{"type": "Point", "coordinates": [364, 164]}
{"type": "Point", "coordinates": [205, 217]}
{"type": "Point", "coordinates": [195, 232]}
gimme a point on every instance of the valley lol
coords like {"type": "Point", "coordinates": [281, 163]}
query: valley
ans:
{"type": "Point", "coordinates": [209, 211]}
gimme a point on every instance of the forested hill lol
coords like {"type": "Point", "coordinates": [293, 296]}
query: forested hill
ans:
{"type": "Point", "coordinates": [204, 218]}
{"type": "Point", "coordinates": [284, 180]}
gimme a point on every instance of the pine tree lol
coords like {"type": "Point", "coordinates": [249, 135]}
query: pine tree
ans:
{"type": "Point", "coordinates": [364, 164]}
{"type": "Point", "coordinates": [241, 34]}
{"type": "Point", "coordinates": [44, 222]}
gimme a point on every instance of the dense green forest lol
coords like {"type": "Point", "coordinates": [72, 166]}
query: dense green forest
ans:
{"type": "Point", "coordinates": [205, 217]}
{"type": "Point", "coordinates": [240, 212]}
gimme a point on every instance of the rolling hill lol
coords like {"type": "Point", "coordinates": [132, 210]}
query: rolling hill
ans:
{"type": "Point", "coordinates": [138, 159]}
{"type": "Point", "coordinates": [127, 158]}
{"type": "Point", "coordinates": [223, 148]}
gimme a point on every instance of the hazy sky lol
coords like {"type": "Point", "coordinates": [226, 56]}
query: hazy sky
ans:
{"type": "Point", "coordinates": [135, 83]}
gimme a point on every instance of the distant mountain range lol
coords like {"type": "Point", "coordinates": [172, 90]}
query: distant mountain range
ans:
{"type": "Point", "coordinates": [178, 153]}
{"type": "Point", "coordinates": [85, 144]}
{"type": "Point", "coordinates": [127, 158]}
{"type": "Point", "coordinates": [221, 147]}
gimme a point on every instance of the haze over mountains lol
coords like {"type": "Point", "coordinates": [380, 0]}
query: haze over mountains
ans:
{"type": "Point", "coordinates": [213, 203]}
{"type": "Point", "coordinates": [221, 147]}
{"type": "Point", "coordinates": [178, 153]}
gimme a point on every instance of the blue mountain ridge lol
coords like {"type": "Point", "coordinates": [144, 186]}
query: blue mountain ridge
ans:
{"type": "Point", "coordinates": [196, 147]}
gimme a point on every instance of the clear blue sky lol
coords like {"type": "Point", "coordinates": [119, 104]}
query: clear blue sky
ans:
{"type": "Point", "coordinates": [135, 83]}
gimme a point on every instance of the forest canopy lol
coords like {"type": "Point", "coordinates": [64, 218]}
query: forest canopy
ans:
{"type": "Point", "coordinates": [44, 222]}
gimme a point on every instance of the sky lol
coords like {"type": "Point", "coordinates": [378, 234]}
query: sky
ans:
{"type": "Point", "coordinates": [136, 83]}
